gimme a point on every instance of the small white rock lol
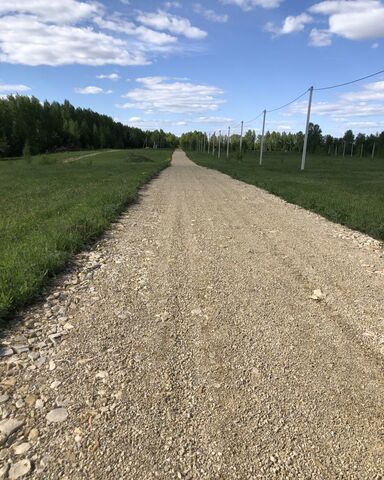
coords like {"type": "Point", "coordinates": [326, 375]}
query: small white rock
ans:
{"type": "Point", "coordinates": [39, 404]}
{"type": "Point", "coordinates": [22, 448]}
{"type": "Point", "coordinates": [317, 295]}
{"type": "Point", "coordinates": [19, 469]}
{"type": "Point", "coordinates": [33, 435]}
{"type": "Point", "coordinates": [57, 415]}
{"type": "Point", "coordinates": [7, 427]}
{"type": "Point", "coordinates": [55, 384]}
{"type": "Point", "coordinates": [51, 365]}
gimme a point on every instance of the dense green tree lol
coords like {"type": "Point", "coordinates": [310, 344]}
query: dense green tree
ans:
{"type": "Point", "coordinates": [49, 127]}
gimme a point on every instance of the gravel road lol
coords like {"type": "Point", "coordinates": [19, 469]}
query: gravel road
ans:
{"type": "Point", "coordinates": [215, 332]}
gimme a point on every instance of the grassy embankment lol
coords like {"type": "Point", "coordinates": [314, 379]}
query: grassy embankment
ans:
{"type": "Point", "coordinates": [349, 191]}
{"type": "Point", "coordinates": [51, 208]}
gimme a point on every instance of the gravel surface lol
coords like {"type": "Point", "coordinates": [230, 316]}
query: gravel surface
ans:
{"type": "Point", "coordinates": [215, 332]}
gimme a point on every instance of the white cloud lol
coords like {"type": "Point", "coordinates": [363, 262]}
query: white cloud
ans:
{"type": "Point", "coordinates": [112, 76]}
{"type": "Point", "coordinates": [161, 20]}
{"type": "Point", "coordinates": [368, 101]}
{"type": "Point", "coordinates": [144, 34]}
{"type": "Point", "coordinates": [353, 19]}
{"type": "Point", "coordinates": [161, 94]}
{"type": "Point", "coordinates": [209, 14]}
{"type": "Point", "coordinates": [9, 88]}
{"type": "Point", "coordinates": [172, 5]}
{"type": "Point", "coordinates": [63, 11]}
{"type": "Point", "coordinates": [290, 25]}
{"type": "Point", "coordinates": [91, 90]}
{"type": "Point", "coordinates": [46, 32]}
{"type": "Point", "coordinates": [61, 45]}
{"type": "Point", "coordinates": [370, 91]}
{"type": "Point", "coordinates": [250, 4]}
{"type": "Point", "coordinates": [330, 7]}
{"type": "Point", "coordinates": [213, 120]}
{"type": "Point", "coordinates": [320, 38]}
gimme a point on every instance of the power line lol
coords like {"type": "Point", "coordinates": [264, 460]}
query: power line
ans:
{"type": "Point", "coordinates": [352, 81]}
{"type": "Point", "coordinates": [253, 119]}
{"type": "Point", "coordinates": [290, 103]}
{"type": "Point", "coordinates": [303, 94]}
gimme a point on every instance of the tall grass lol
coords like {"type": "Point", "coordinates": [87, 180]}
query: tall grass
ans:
{"type": "Point", "coordinates": [50, 209]}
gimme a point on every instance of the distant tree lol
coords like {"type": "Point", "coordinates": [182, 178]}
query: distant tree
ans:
{"type": "Point", "coordinates": [315, 138]}
{"type": "Point", "coordinates": [3, 146]}
{"type": "Point", "coordinates": [27, 151]}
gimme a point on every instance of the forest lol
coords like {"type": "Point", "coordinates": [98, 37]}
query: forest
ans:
{"type": "Point", "coordinates": [349, 144]}
{"type": "Point", "coordinates": [28, 126]}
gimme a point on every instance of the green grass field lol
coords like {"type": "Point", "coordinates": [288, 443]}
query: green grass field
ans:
{"type": "Point", "coordinates": [349, 191]}
{"type": "Point", "coordinates": [51, 208]}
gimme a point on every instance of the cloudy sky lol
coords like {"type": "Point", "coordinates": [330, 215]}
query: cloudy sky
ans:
{"type": "Point", "coordinates": [183, 65]}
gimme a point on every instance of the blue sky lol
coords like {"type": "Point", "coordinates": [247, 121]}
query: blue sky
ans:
{"type": "Point", "coordinates": [183, 65]}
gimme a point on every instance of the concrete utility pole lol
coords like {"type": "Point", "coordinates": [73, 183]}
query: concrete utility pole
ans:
{"type": "Point", "coordinates": [262, 138]}
{"type": "Point", "coordinates": [241, 138]}
{"type": "Point", "coordinates": [373, 150]}
{"type": "Point", "coordinates": [219, 149]}
{"type": "Point", "coordinates": [204, 143]}
{"type": "Point", "coordinates": [362, 151]}
{"type": "Point", "coordinates": [208, 143]}
{"type": "Point", "coordinates": [307, 129]}
{"type": "Point", "coordinates": [213, 145]}
{"type": "Point", "coordinates": [228, 140]}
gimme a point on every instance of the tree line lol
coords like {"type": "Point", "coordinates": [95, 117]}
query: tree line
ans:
{"type": "Point", "coordinates": [29, 126]}
{"type": "Point", "coordinates": [348, 144]}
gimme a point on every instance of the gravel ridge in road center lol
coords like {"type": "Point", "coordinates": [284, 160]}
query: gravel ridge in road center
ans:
{"type": "Point", "coordinates": [215, 332]}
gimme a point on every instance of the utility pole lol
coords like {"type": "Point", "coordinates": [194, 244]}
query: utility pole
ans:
{"type": "Point", "coordinates": [262, 138]}
{"type": "Point", "coordinates": [208, 143]}
{"type": "Point", "coordinates": [228, 140]}
{"type": "Point", "coordinates": [345, 144]}
{"type": "Point", "coordinates": [352, 150]}
{"type": "Point", "coordinates": [362, 150]}
{"type": "Point", "coordinates": [241, 138]}
{"type": "Point", "coordinates": [307, 129]}
{"type": "Point", "coordinates": [219, 149]}
{"type": "Point", "coordinates": [213, 146]}
{"type": "Point", "coordinates": [373, 150]}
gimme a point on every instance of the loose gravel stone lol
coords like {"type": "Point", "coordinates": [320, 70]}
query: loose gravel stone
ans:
{"type": "Point", "coordinates": [57, 415]}
{"type": "Point", "coordinates": [21, 448]}
{"type": "Point", "coordinates": [8, 427]}
{"type": "Point", "coordinates": [20, 469]}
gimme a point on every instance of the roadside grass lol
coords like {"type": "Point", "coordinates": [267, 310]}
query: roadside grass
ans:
{"type": "Point", "coordinates": [50, 209]}
{"type": "Point", "coordinates": [346, 190]}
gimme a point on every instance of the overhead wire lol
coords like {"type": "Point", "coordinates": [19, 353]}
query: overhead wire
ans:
{"type": "Point", "coordinates": [350, 83]}
{"type": "Point", "coordinates": [289, 103]}
{"type": "Point", "coordinates": [304, 93]}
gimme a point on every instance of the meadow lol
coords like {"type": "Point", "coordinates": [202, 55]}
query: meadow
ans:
{"type": "Point", "coordinates": [52, 206]}
{"type": "Point", "coordinates": [346, 190]}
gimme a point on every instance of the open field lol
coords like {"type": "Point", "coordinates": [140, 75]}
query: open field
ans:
{"type": "Point", "coordinates": [349, 191]}
{"type": "Point", "coordinates": [51, 208]}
